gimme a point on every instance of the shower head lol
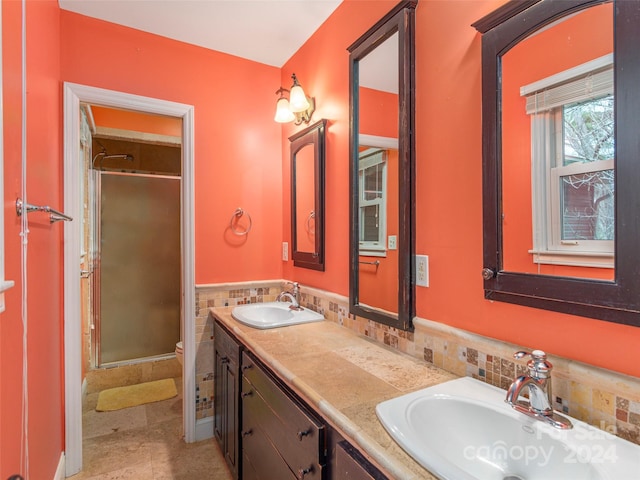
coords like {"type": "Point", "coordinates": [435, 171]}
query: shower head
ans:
{"type": "Point", "coordinates": [104, 156]}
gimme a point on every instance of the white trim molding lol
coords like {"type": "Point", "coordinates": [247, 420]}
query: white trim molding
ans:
{"type": "Point", "coordinates": [74, 95]}
{"type": "Point", "coordinates": [60, 471]}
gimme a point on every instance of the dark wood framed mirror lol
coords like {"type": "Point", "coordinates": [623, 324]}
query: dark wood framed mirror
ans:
{"type": "Point", "coordinates": [307, 196]}
{"type": "Point", "coordinates": [582, 222]}
{"type": "Point", "coordinates": [382, 164]}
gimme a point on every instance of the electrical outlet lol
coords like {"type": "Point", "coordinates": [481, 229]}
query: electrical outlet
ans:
{"type": "Point", "coordinates": [422, 270]}
{"type": "Point", "coordinates": [285, 251]}
{"type": "Point", "coordinates": [393, 242]}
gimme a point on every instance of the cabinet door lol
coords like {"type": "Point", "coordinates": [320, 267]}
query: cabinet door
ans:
{"type": "Point", "coordinates": [226, 397]}
{"type": "Point", "coordinates": [219, 397]}
{"type": "Point", "coordinates": [232, 404]}
{"type": "Point", "coordinates": [351, 465]}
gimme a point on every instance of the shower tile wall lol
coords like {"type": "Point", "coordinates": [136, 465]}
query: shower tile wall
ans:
{"type": "Point", "coordinates": [605, 399]}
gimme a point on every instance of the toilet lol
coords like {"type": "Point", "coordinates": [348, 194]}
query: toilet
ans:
{"type": "Point", "coordinates": [179, 353]}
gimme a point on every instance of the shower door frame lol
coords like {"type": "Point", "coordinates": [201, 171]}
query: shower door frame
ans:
{"type": "Point", "coordinates": [96, 331]}
{"type": "Point", "coordinates": [74, 94]}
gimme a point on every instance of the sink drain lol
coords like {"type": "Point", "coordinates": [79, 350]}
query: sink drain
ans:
{"type": "Point", "coordinates": [512, 477]}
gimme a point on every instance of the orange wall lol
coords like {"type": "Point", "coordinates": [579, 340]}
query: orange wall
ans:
{"type": "Point", "coordinates": [237, 144]}
{"type": "Point", "coordinates": [44, 270]}
{"type": "Point", "coordinates": [136, 121]}
{"type": "Point", "coordinates": [378, 113]}
{"type": "Point", "coordinates": [449, 182]}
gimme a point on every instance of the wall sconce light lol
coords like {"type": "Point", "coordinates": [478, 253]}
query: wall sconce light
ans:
{"type": "Point", "coordinates": [298, 108]}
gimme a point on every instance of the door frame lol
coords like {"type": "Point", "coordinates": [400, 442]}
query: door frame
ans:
{"type": "Point", "coordinates": [74, 94]}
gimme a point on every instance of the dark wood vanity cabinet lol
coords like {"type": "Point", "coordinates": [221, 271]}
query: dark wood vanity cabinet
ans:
{"type": "Point", "coordinates": [267, 432]}
{"type": "Point", "coordinates": [281, 437]}
{"type": "Point", "coordinates": [227, 397]}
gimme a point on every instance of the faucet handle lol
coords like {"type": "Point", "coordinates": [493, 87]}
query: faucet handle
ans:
{"type": "Point", "coordinates": [536, 354]}
{"type": "Point", "coordinates": [538, 363]}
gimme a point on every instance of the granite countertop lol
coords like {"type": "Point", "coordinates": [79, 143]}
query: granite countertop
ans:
{"type": "Point", "coordinates": [344, 376]}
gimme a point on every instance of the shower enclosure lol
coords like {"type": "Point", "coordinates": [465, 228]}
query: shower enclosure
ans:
{"type": "Point", "coordinates": [137, 289]}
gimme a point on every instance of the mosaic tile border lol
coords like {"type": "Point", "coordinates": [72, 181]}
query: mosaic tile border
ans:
{"type": "Point", "coordinates": [605, 399]}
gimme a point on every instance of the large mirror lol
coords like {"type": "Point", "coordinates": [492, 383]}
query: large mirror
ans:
{"type": "Point", "coordinates": [307, 196]}
{"type": "Point", "coordinates": [382, 170]}
{"type": "Point", "coordinates": [561, 92]}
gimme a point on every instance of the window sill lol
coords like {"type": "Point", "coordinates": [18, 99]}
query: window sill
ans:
{"type": "Point", "coordinates": [577, 259]}
{"type": "Point", "coordinates": [372, 253]}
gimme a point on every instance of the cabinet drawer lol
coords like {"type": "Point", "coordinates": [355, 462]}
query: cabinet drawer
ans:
{"type": "Point", "coordinates": [300, 453]}
{"type": "Point", "coordinates": [352, 465]}
{"type": "Point", "coordinates": [260, 459]}
{"type": "Point", "coordinates": [226, 346]}
{"type": "Point", "coordinates": [298, 435]}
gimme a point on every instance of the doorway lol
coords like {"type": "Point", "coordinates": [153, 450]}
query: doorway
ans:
{"type": "Point", "coordinates": [74, 95]}
{"type": "Point", "coordinates": [131, 237]}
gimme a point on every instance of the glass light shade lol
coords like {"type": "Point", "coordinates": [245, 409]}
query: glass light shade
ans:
{"type": "Point", "coordinates": [283, 112]}
{"type": "Point", "coordinates": [298, 99]}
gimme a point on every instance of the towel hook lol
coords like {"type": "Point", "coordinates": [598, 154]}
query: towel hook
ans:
{"type": "Point", "coordinates": [236, 215]}
{"type": "Point", "coordinates": [54, 215]}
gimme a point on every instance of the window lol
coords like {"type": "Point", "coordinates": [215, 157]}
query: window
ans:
{"type": "Point", "coordinates": [372, 181]}
{"type": "Point", "coordinates": [573, 149]}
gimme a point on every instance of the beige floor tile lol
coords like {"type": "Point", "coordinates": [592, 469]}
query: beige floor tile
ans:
{"type": "Point", "coordinates": [134, 472]}
{"type": "Point", "coordinates": [96, 424]}
{"type": "Point", "coordinates": [145, 443]}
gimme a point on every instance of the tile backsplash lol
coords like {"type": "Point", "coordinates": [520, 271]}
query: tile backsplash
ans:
{"type": "Point", "coordinates": [605, 399]}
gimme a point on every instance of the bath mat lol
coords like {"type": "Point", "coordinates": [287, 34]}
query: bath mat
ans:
{"type": "Point", "coordinates": [134, 395]}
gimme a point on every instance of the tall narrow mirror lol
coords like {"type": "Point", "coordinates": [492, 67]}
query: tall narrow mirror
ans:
{"type": "Point", "coordinates": [560, 156]}
{"type": "Point", "coordinates": [382, 170]}
{"type": "Point", "coordinates": [307, 196]}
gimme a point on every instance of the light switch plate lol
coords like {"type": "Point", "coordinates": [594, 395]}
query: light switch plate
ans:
{"type": "Point", "coordinates": [422, 270]}
{"type": "Point", "coordinates": [392, 242]}
{"type": "Point", "coordinates": [285, 251]}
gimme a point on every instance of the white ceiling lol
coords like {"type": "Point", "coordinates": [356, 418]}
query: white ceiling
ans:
{"type": "Point", "coordinates": [265, 31]}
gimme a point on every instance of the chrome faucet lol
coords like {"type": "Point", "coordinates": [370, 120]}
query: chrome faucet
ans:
{"type": "Point", "coordinates": [540, 397]}
{"type": "Point", "coordinates": [293, 296]}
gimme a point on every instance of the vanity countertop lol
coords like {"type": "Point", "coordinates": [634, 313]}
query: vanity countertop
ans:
{"type": "Point", "coordinates": [344, 376]}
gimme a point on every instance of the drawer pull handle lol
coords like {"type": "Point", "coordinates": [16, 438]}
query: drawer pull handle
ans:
{"type": "Point", "coordinates": [301, 435]}
{"type": "Point", "coordinates": [247, 367]}
{"type": "Point", "coordinates": [224, 360]}
{"type": "Point", "coordinates": [246, 433]}
{"type": "Point", "coordinates": [303, 471]}
{"type": "Point", "coordinates": [246, 394]}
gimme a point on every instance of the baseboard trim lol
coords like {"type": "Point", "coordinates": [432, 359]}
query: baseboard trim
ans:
{"type": "Point", "coordinates": [204, 428]}
{"type": "Point", "coordinates": [60, 471]}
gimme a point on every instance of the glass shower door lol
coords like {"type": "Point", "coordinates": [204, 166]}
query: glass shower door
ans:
{"type": "Point", "coordinates": [139, 266]}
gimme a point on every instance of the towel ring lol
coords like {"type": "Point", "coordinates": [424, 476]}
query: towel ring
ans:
{"type": "Point", "coordinates": [236, 215]}
{"type": "Point", "coordinates": [310, 230]}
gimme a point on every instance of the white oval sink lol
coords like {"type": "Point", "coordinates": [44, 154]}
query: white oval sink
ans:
{"type": "Point", "coordinates": [273, 314]}
{"type": "Point", "coordinates": [463, 430]}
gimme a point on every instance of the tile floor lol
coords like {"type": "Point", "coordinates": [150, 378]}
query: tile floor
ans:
{"type": "Point", "coordinates": [145, 443]}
